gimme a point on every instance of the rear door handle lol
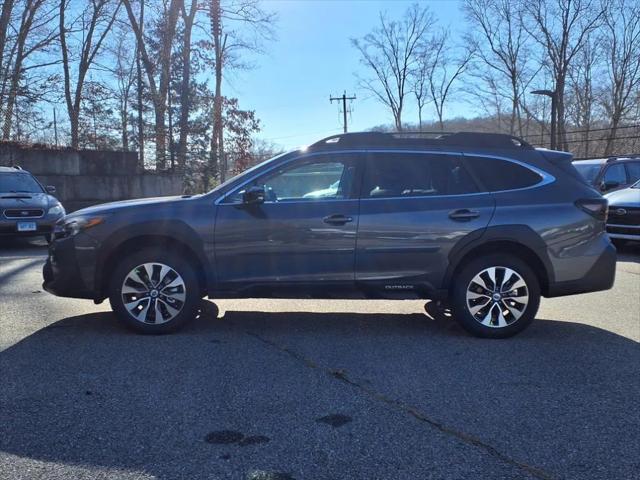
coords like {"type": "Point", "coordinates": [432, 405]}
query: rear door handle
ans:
{"type": "Point", "coordinates": [464, 214]}
{"type": "Point", "coordinates": [337, 219]}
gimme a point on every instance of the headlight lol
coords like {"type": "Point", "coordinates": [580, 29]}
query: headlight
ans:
{"type": "Point", "coordinates": [68, 227]}
{"type": "Point", "coordinates": [57, 209]}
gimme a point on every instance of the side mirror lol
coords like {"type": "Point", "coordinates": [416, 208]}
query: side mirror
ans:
{"type": "Point", "coordinates": [609, 185]}
{"type": "Point", "coordinates": [50, 189]}
{"type": "Point", "coordinates": [253, 195]}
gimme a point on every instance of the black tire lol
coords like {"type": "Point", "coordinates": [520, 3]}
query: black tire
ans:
{"type": "Point", "coordinates": [461, 310]}
{"type": "Point", "coordinates": [191, 291]}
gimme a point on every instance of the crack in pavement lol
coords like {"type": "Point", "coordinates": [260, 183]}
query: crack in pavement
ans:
{"type": "Point", "coordinates": [409, 409]}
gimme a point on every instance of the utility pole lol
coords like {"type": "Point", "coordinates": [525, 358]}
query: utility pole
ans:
{"type": "Point", "coordinates": [553, 95]}
{"type": "Point", "coordinates": [344, 99]}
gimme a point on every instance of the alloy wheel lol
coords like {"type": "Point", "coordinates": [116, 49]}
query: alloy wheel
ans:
{"type": "Point", "coordinates": [153, 293]}
{"type": "Point", "coordinates": [497, 297]}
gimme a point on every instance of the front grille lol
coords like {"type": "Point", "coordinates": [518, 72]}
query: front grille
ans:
{"type": "Point", "coordinates": [23, 212]}
{"type": "Point", "coordinates": [622, 230]}
{"type": "Point", "coordinates": [624, 215]}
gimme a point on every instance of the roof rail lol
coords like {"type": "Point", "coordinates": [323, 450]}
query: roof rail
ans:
{"type": "Point", "coordinates": [618, 157]}
{"type": "Point", "coordinates": [417, 139]}
{"type": "Point", "coordinates": [17, 167]}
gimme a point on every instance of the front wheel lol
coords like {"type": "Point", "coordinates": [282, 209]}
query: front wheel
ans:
{"type": "Point", "coordinates": [154, 291]}
{"type": "Point", "coordinates": [496, 296]}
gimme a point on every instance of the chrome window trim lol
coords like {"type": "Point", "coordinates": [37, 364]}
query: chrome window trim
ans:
{"type": "Point", "coordinates": [546, 178]}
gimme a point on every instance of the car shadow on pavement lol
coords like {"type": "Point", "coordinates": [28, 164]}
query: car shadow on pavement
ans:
{"type": "Point", "coordinates": [86, 392]}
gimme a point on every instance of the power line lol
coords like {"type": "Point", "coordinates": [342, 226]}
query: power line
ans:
{"type": "Point", "coordinates": [344, 99]}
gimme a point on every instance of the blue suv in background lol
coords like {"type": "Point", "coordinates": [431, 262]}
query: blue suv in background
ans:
{"type": "Point", "coordinates": [484, 222]}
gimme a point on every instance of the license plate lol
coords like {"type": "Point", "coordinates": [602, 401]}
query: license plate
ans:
{"type": "Point", "coordinates": [27, 226]}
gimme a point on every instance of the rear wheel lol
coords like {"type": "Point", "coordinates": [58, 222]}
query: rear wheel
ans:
{"type": "Point", "coordinates": [154, 291]}
{"type": "Point", "coordinates": [496, 296]}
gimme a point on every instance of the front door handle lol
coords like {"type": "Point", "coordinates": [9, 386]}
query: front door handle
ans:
{"type": "Point", "coordinates": [337, 219]}
{"type": "Point", "coordinates": [463, 215]}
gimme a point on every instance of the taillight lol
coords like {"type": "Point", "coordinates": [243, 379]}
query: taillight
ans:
{"type": "Point", "coordinates": [596, 207]}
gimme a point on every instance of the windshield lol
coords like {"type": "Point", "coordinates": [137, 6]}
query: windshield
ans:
{"type": "Point", "coordinates": [636, 185]}
{"type": "Point", "coordinates": [589, 171]}
{"type": "Point", "coordinates": [18, 183]}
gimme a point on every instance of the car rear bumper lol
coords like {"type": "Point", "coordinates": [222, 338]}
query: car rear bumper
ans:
{"type": "Point", "coordinates": [69, 269]}
{"type": "Point", "coordinates": [600, 276]}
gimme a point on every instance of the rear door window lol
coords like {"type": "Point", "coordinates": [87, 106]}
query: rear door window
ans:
{"type": "Point", "coordinates": [415, 175]}
{"type": "Point", "coordinates": [498, 175]}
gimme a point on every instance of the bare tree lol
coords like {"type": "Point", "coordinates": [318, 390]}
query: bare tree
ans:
{"type": "Point", "coordinates": [188, 18]}
{"type": "Point", "coordinates": [582, 92]}
{"type": "Point", "coordinates": [123, 62]}
{"type": "Point", "coordinates": [390, 52]}
{"type": "Point", "coordinates": [236, 26]}
{"type": "Point", "coordinates": [419, 85]}
{"type": "Point", "coordinates": [621, 39]}
{"type": "Point", "coordinates": [443, 69]}
{"type": "Point", "coordinates": [561, 27]}
{"type": "Point", "coordinates": [94, 23]}
{"type": "Point", "coordinates": [159, 90]}
{"type": "Point", "coordinates": [32, 19]}
{"type": "Point", "coordinates": [500, 45]}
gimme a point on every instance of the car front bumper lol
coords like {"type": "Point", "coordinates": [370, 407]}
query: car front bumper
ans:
{"type": "Point", "coordinates": [70, 268]}
{"type": "Point", "coordinates": [44, 226]}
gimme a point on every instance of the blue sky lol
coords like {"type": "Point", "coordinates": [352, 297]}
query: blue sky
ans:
{"type": "Point", "coordinates": [312, 59]}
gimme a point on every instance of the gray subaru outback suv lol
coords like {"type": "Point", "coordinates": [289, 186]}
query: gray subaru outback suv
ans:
{"type": "Point", "coordinates": [484, 222]}
{"type": "Point", "coordinates": [26, 207]}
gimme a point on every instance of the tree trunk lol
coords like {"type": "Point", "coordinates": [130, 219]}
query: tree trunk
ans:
{"type": "Point", "coordinates": [561, 132]}
{"type": "Point", "coordinates": [25, 25]}
{"type": "Point", "coordinates": [5, 16]}
{"type": "Point", "coordinates": [215, 159]}
{"type": "Point", "coordinates": [514, 105]}
{"type": "Point", "coordinates": [611, 137]}
{"type": "Point", "coordinates": [124, 120]}
{"type": "Point", "coordinates": [185, 98]}
{"type": "Point", "coordinates": [140, 87]}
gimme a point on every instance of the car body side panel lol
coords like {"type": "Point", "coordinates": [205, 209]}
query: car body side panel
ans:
{"type": "Point", "coordinates": [572, 238]}
{"type": "Point", "coordinates": [289, 241]}
{"type": "Point", "coordinates": [408, 240]}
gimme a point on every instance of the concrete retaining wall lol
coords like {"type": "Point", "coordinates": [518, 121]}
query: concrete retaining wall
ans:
{"type": "Point", "coordinates": [88, 177]}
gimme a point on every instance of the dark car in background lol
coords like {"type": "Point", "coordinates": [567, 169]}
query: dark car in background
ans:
{"type": "Point", "coordinates": [609, 174]}
{"type": "Point", "coordinates": [26, 207]}
{"type": "Point", "coordinates": [484, 222]}
{"type": "Point", "coordinates": [623, 222]}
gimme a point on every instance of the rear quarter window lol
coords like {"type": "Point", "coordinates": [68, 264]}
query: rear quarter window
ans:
{"type": "Point", "coordinates": [496, 174]}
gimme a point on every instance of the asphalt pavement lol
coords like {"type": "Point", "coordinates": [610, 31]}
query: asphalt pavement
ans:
{"type": "Point", "coordinates": [290, 389]}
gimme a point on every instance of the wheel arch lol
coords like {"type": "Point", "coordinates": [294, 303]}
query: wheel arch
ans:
{"type": "Point", "coordinates": [520, 241]}
{"type": "Point", "coordinates": [175, 238]}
